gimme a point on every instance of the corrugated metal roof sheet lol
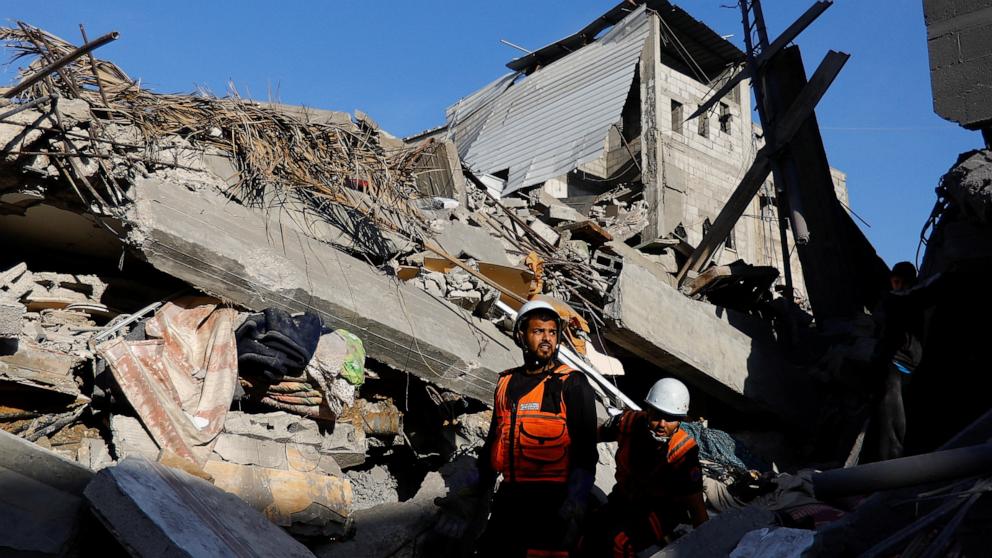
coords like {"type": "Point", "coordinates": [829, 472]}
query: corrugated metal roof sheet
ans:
{"type": "Point", "coordinates": [558, 117]}
{"type": "Point", "coordinates": [466, 117]}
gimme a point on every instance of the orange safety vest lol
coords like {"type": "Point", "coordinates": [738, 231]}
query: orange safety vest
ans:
{"type": "Point", "coordinates": [678, 446]}
{"type": "Point", "coordinates": [532, 445]}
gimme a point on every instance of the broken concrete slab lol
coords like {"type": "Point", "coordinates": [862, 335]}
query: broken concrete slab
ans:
{"type": "Point", "coordinates": [41, 500]}
{"type": "Point", "coordinates": [606, 468]}
{"type": "Point", "coordinates": [38, 520]}
{"type": "Point", "coordinates": [718, 536]}
{"type": "Point", "coordinates": [37, 368]}
{"type": "Point", "coordinates": [555, 209]}
{"type": "Point", "coordinates": [11, 314]}
{"type": "Point", "coordinates": [310, 503]}
{"type": "Point", "coordinates": [19, 131]}
{"type": "Point", "coordinates": [468, 431]}
{"type": "Point", "coordinates": [731, 357]}
{"type": "Point", "coordinates": [244, 450]}
{"type": "Point", "coordinates": [236, 252]}
{"type": "Point", "coordinates": [563, 213]}
{"type": "Point", "coordinates": [12, 274]}
{"type": "Point", "coordinates": [304, 450]}
{"type": "Point", "coordinates": [465, 241]}
{"type": "Point", "coordinates": [44, 466]}
{"type": "Point", "coordinates": [94, 454]}
{"type": "Point", "coordinates": [293, 484]}
{"type": "Point", "coordinates": [154, 510]}
{"type": "Point", "coordinates": [130, 439]}
{"type": "Point", "coordinates": [544, 231]}
{"type": "Point", "coordinates": [278, 426]}
{"type": "Point", "coordinates": [346, 444]}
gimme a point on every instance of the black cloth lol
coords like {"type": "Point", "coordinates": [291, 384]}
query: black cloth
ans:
{"type": "Point", "coordinates": [275, 344]}
{"type": "Point", "coordinates": [580, 406]}
{"type": "Point", "coordinates": [524, 517]}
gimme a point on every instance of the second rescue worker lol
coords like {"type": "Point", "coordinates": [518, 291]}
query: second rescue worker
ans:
{"type": "Point", "coordinates": [542, 440]}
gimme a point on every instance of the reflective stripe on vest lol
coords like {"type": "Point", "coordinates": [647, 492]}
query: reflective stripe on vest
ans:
{"type": "Point", "coordinates": [532, 445]}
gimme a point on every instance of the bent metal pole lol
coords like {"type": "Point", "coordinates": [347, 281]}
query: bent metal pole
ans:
{"type": "Point", "coordinates": [60, 63]}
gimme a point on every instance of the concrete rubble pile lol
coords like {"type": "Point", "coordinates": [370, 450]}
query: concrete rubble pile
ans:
{"type": "Point", "coordinates": [237, 311]}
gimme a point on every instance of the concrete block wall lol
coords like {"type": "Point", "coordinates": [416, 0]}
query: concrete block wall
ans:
{"type": "Point", "coordinates": [710, 167]}
{"type": "Point", "coordinates": [616, 155]}
{"type": "Point", "coordinates": [959, 38]}
{"type": "Point", "coordinates": [840, 186]}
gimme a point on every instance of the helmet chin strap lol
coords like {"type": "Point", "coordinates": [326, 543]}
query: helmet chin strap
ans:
{"type": "Point", "coordinates": [661, 439]}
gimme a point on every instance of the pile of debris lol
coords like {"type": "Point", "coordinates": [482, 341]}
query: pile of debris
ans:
{"type": "Point", "coordinates": [217, 285]}
{"type": "Point", "coordinates": [205, 297]}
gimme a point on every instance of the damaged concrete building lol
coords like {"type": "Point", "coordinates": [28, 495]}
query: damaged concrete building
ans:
{"type": "Point", "coordinates": [613, 105]}
{"type": "Point", "coordinates": [253, 315]}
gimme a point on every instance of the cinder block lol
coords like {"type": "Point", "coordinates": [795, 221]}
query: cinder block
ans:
{"type": "Point", "coordinates": [965, 7]}
{"type": "Point", "coordinates": [937, 10]}
{"type": "Point", "coordinates": [976, 42]}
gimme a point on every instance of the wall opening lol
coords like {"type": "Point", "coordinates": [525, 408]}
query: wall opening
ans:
{"type": "Point", "coordinates": [725, 118]}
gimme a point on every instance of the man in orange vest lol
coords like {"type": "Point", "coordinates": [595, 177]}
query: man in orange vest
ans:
{"type": "Point", "coordinates": [659, 479]}
{"type": "Point", "coordinates": [542, 440]}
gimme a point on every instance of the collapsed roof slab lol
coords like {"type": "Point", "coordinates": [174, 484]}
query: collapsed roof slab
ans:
{"type": "Point", "coordinates": [260, 259]}
{"type": "Point", "coordinates": [731, 357]}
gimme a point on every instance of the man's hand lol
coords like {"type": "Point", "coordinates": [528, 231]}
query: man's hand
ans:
{"type": "Point", "coordinates": [463, 513]}
{"type": "Point", "coordinates": [573, 509]}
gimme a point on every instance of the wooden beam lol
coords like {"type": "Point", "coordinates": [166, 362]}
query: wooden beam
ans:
{"type": "Point", "coordinates": [790, 122]}
{"type": "Point", "coordinates": [752, 70]}
{"type": "Point", "coordinates": [801, 109]}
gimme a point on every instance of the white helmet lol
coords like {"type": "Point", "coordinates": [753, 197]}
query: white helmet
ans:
{"type": "Point", "coordinates": [529, 308]}
{"type": "Point", "coordinates": [669, 396]}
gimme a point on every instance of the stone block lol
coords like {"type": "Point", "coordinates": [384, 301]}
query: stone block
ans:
{"type": "Point", "coordinates": [545, 232]}
{"type": "Point", "coordinates": [975, 42]}
{"type": "Point", "coordinates": [11, 314]}
{"type": "Point", "coordinates": [41, 500]}
{"type": "Point", "coordinates": [154, 510]}
{"type": "Point", "coordinates": [465, 241]}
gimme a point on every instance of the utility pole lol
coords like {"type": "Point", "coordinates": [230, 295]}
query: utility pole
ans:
{"type": "Point", "coordinates": [769, 105]}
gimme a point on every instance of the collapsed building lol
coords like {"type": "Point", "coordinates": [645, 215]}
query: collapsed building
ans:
{"type": "Point", "coordinates": [212, 296]}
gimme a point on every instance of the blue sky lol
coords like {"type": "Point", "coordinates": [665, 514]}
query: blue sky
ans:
{"type": "Point", "coordinates": [403, 62]}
